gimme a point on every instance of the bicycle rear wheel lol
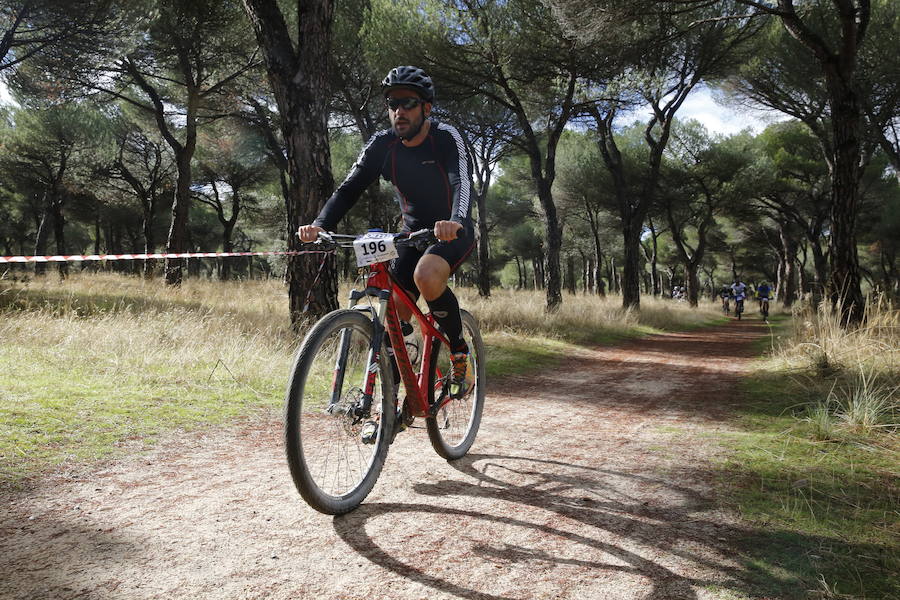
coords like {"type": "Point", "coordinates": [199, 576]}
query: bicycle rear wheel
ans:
{"type": "Point", "coordinates": [332, 467]}
{"type": "Point", "coordinates": [453, 429]}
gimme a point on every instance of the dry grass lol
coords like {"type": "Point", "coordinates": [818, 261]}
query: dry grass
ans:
{"type": "Point", "coordinates": [581, 318]}
{"type": "Point", "coordinates": [99, 359]}
{"type": "Point", "coordinates": [259, 307]}
{"type": "Point", "coordinates": [855, 371]}
{"type": "Point", "coordinates": [256, 306]}
{"type": "Point", "coordinates": [818, 454]}
{"type": "Point", "coordinates": [818, 340]}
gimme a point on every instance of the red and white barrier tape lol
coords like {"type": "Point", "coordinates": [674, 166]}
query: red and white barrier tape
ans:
{"type": "Point", "coordinates": [86, 257]}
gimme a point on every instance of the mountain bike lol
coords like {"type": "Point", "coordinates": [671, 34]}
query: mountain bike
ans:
{"type": "Point", "coordinates": [764, 308]}
{"type": "Point", "coordinates": [739, 306]}
{"type": "Point", "coordinates": [343, 409]}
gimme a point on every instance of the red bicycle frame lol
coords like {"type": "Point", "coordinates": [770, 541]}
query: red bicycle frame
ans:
{"type": "Point", "coordinates": [380, 283]}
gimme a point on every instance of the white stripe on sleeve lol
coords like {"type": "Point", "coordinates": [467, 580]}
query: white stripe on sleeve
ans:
{"type": "Point", "coordinates": [464, 181]}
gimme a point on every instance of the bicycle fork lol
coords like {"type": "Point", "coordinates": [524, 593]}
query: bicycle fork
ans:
{"type": "Point", "coordinates": [363, 407]}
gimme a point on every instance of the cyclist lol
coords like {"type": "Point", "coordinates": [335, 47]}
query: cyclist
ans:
{"type": "Point", "coordinates": [738, 292]}
{"type": "Point", "coordinates": [725, 295]}
{"type": "Point", "coordinates": [763, 293]}
{"type": "Point", "coordinates": [431, 171]}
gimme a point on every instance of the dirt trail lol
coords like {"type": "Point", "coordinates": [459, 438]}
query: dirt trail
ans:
{"type": "Point", "coordinates": [576, 488]}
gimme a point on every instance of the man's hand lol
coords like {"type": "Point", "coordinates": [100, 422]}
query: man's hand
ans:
{"type": "Point", "coordinates": [309, 233]}
{"type": "Point", "coordinates": [446, 230]}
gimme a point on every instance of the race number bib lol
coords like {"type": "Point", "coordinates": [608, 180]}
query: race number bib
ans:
{"type": "Point", "coordinates": [374, 247]}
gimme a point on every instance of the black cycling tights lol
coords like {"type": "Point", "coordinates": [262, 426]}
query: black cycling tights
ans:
{"type": "Point", "coordinates": [445, 309]}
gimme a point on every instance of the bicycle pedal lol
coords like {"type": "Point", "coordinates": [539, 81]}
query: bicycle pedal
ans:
{"type": "Point", "coordinates": [369, 432]}
{"type": "Point", "coordinates": [458, 390]}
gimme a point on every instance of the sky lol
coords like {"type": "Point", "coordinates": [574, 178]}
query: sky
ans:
{"type": "Point", "coordinates": [701, 105]}
{"type": "Point", "coordinates": [5, 98]}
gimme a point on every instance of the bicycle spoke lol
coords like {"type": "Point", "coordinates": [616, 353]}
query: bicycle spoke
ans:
{"type": "Point", "coordinates": [452, 430]}
{"type": "Point", "coordinates": [331, 464]}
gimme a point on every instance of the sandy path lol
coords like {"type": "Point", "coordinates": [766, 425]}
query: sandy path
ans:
{"type": "Point", "coordinates": [574, 489]}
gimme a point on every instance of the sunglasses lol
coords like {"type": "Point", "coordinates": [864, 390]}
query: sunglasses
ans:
{"type": "Point", "coordinates": [408, 103]}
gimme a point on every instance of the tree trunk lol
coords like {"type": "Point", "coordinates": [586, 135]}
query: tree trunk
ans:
{"type": "Point", "coordinates": [612, 274]}
{"type": "Point", "coordinates": [802, 282]}
{"type": "Point", "coordinates": [820, 265]}
{"type": "Point", "coordinates": [40, 244]}
{"type": "Point", "coordinates": [570, 274]}
{"type": "Point", "coordinates": [654, 268]}
{"type": "Point", "coordinates": [779, 276]}
{"type": "Point", "coordinates": [788, 285]}
{"type": "Point", "coordinates": [631, 281]}
{"type": "Point", "coordinates": [693, 284]}
{"type": "Point", "coordinates": [845, 289]}
{"type": "Point", "coordinates": [553, 233]}
{"type": "Point", "coordinates": [518, 273]}
{"type": "Point", "coordinates": [592, 276]}
{"type": "Point", "coordinates": [598, 276]}
{"type": "Point", "coordinates": [177, 239]}
{"type": "Point", "coordinates": [59, 223]}
{"type": "Point", "coordinates": [484, 248]}
{"type": "Point", "coordinates": [98, 232]}
{"type": "Point", "coordinates": [227, 246]}
{"type": "Point", "coordinates": [297, 78]}
{"type": "Point", "coordinates": [149, 240]}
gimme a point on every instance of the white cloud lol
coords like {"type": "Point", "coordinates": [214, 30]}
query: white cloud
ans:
{"type": "Point", "coordinates": [701, 105]}
{"type": "Point", "coordinates": [5, 98]}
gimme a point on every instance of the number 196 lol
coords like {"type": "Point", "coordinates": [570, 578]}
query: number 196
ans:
{"type": "Point", "coordinates": [374, 247]}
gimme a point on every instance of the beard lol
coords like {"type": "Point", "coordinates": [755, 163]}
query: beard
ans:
{"type": "Point", "coordinates": [408, 127]}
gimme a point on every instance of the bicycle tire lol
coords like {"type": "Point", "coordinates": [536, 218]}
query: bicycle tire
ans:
{"type": "Point", "coordinates": [453, 429]}
{"type": "Point", "coordinates": [331, 466]}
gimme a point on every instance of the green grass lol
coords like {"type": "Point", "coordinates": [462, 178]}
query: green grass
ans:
{"type": "Point", "coordinates": [56, 408]}
{"type": "Point", "coordinates": [820, 512]}
{"type": "Point", "coordinates": [834, 503]}
{"type": "Point", "coordinates": [508, 356]}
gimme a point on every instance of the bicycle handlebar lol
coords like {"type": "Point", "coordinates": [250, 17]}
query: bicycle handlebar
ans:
{"type": "Point", "coordinates": [420, 239]}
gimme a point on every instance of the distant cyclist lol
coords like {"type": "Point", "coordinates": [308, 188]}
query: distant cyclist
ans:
{"type": "Point", "coordinates": [739, 292]}
{"type": "Point", "coordinates": [725, 295]}
{"type": "Point", "coordinates": [763, 294]}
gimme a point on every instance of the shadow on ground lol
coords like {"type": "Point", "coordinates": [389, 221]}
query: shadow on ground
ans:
{"type": "Point", "coordinates": [755, 563]}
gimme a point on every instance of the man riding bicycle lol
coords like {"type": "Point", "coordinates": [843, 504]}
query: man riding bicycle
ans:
{"type": "Point", "coordinates": [763, 293]}
{"type": "Point", "coordinates": [739, 292]}
{"type": "Point", "coordinates": [431, 171]}
{"type": "Point", "coordinates": [725, 295]}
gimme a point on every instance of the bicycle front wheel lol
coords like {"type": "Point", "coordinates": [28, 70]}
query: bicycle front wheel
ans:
{"type": "Point", "coordinates": [453, 428]}
{"type": "Point", "coordinates": [333, 464]}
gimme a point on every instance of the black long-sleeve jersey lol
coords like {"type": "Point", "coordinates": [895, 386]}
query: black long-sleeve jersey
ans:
{"type": "Point", "coordinates": [432, 181]}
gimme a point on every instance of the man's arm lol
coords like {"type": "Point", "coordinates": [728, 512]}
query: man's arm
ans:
{"type": "Point", "coordinates": [362, 174]}
{"type": "Point", "coordinates": [459, 173]}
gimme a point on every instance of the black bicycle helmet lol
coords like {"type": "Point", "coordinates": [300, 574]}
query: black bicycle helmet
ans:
{"type": "Point", "coordinates": [409, 78]}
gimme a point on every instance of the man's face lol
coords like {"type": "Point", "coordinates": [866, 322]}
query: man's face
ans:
{"type": "Point", "coordinates": [407, 120]}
